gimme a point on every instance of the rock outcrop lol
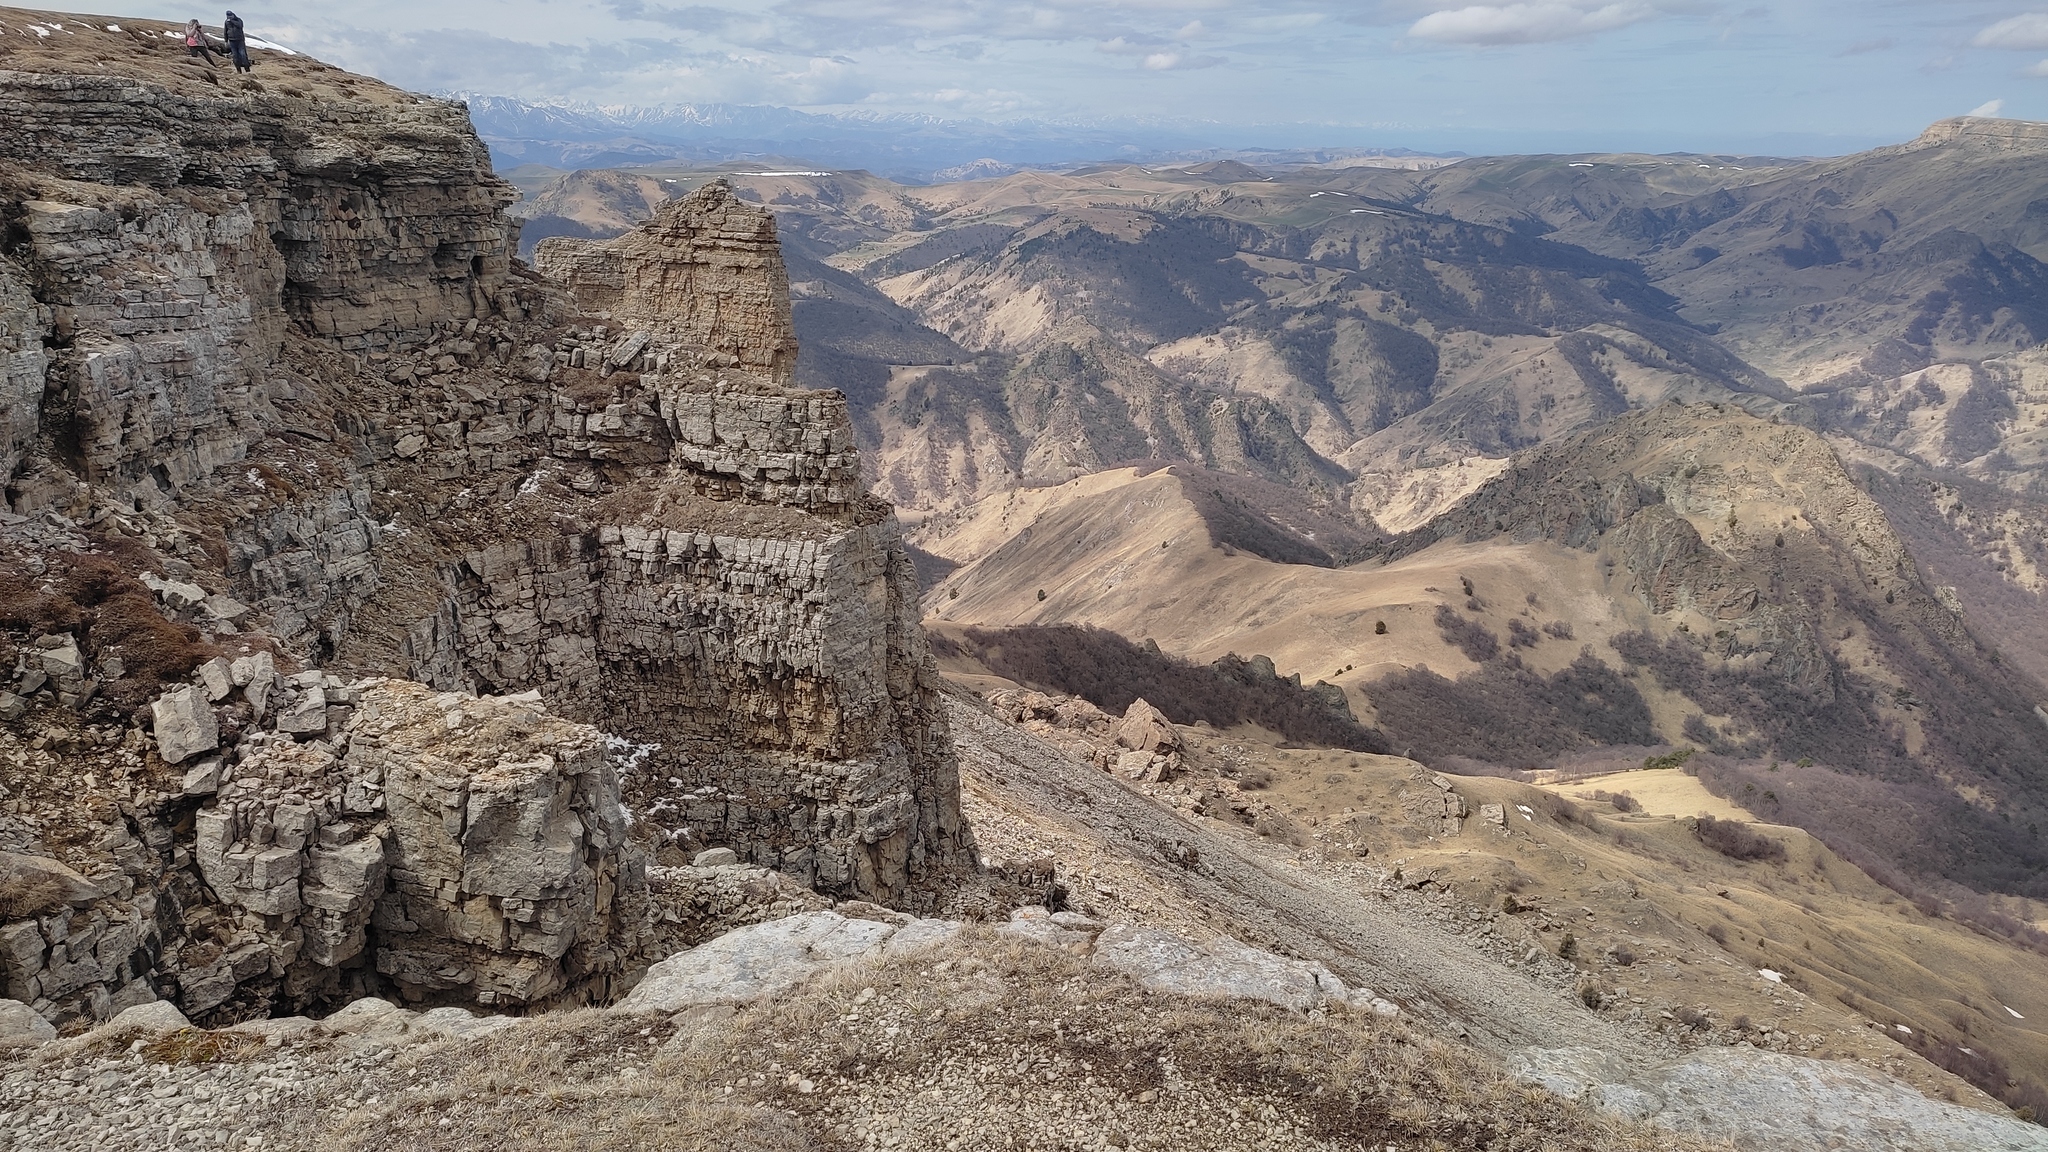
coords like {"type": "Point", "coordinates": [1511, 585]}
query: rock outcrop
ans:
{"type": "Point", "coordinates": [448, 593]}
{"type": "Point", "coordinates": [364, 217]}
{"type": "Point", "coordinates": [473, 848]}
{"type": "Point", "coordinates": [737, 606]}
{"type": "Point", "coordinates": [705, 271]}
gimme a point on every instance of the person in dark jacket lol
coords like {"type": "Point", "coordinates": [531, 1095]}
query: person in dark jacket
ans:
{"type": "Point", "coordinates": [238, 41]}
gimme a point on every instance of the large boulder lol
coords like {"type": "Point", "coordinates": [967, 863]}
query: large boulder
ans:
{"type": "Point", "coordinates": [185, 725]}
{"type": "Point", "coordinates": [474, 847]}
{"type": "Point", "coordinates": [20, 1027]}
{"type": "Point", "coordinates": [513, 881]}
{"type": "Point", "coordinates": [1146, 729]}
{"type": "Point", "coordinates": [762, 960]}
{"type": "Point", "coordinates": [1222, 967]}
{"type": "Point", "coordinates": [156, 1016]}
{"type": "Point", "coordinates": [38, 884]}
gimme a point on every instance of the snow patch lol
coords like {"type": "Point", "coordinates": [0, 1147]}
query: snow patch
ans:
{"type": "Point", "coordinates": [253, 42]}
{"type": "Point", "coordinates": [1773, 977]}
{"type": "Point", "coordinates": [626, 754]}
{"type": "Point", "coordinates": [2015, 1015]}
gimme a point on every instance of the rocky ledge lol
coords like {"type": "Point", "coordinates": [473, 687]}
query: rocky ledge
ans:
{"type": "Point", "coordinates": [374, 609]}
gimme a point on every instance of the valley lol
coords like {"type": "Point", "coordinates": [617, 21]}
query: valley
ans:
{"type": "Point", "coordinates": [1352, 650]}
{"type": "Point", "coordinates": [1541, 461]}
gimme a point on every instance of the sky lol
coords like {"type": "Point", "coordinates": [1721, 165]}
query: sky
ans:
{"type": "Point", "coordinates": [1756, 76]}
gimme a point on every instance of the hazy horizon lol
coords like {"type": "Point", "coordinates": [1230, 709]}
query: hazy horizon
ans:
{"type": "Point", "coordinates": [1803, 77]}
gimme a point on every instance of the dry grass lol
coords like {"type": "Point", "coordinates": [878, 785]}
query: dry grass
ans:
{"type": "Point", "coordinates": [24, 896]}
{"type": "Point", "coordinates": [985, 1045]}
{"type": "Point", "coordinates": [1698, 924]}
{"type": "Point", "coordinates": [198, 1046]}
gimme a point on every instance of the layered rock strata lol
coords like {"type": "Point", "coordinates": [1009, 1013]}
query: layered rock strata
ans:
{"type": "Point", "coordinates": [230, 215]}
{"type": "Point", "coordinates": [738, 606]}
{"type": "Point", "coordinates": [705, 270]}
{"type": "Point", "coordinates": [386, 533]}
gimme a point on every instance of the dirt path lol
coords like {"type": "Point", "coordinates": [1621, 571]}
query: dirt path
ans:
{"type": "Point", "coordinates": [1263, 901]}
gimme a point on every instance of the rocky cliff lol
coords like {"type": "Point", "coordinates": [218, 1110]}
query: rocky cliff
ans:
{"type": "Point", "coordinates": [376, 607]}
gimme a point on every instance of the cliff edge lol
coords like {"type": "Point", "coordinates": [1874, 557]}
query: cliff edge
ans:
{"type": "Point", "coordinates": [377, 608]}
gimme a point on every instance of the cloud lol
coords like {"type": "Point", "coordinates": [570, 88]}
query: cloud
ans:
{"type": "Point", "coordinates": [1528, 23]}
{"type": "Point", "coordinates": [640, 70]}
{"type": "Point", "coordinates": [2026, 31]}
{"type": "Point", "coordinates": [693, 18]}
{"type": "Point", "coordinates": [2038, 68]}
{"type": "Point", "coordinates": [984, 102]}
{"type": "Point", "coordinates": [1863, 47]}
{"type": "Point", "coordinates": [1178, 62]}
{"type": "Point", "coordinates": [1162, 53]}
{"type": "Point", "coordinates": [1988, 108]}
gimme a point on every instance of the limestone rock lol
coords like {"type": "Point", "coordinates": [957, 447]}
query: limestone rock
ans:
{"type": "Point", "coordinates": [1054, 929]}
{"type": "Point", "coordinates": [705, 269]}
{"type": "Point", "coordinates": [23, 326]}
{"type": "Point", "coordinates": [713, 857]}
{"type": "Point", "coordinates": [61, 885]}
{"type": "Point", "coordinates": [184, 725]}
{"type": "Point", "coordinates": [223, 610]}
{"type": "Point", "coordinates": [694, 904]}
{"type": "Point", "coordinates": [762, 646]}
{"type": "Point", "coordinates": [1222, 967]}
{"type": "Point", "coordinates": [177, 595]}
{"type": "Point", "coordinates": [279, 1030]}
{"type": "Point", "coordinates": [513, 878]}
{"type": "Point", "coordinates": [161, 1016]}
{"type": "Point", "coordinates": [1146, 729]}
{"type": "Point", "coordinates": [467, 848]}
{"type": "Point", "coordinates": [307, 716]}
{"type": "Point", "coordinates": [754, 963]}
{"type": "Point", "coordinates": [20, 1027]}
{"type": "Point", "coordinates": [458, 1024]}
{"type": "Point", "coordinates": [61, 659]}
{"type": "Point", "coordinates": [370, 1016]}
{"type": "Point", "coordinates": [203, 778]}
{"type": "Point", "coordinates": [217, 678]}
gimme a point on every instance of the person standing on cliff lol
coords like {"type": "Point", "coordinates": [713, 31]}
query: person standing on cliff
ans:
{"type": "Point", "coordinates": [238, 41]}
{"type": "Point", "coordinates": [195, 42]}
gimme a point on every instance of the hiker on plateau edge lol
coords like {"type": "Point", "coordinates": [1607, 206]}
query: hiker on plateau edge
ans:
{"type": "Point", "coordinates": [238, 41]}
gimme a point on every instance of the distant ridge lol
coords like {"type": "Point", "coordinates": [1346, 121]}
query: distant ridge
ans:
{"type": "Point", "coordinates": [1985, 132]}
{"type": "Point", "coordinates": [902, 146]}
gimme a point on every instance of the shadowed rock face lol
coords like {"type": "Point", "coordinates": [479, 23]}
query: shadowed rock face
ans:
{"type": "Point", "coordinates": [270, 339]}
